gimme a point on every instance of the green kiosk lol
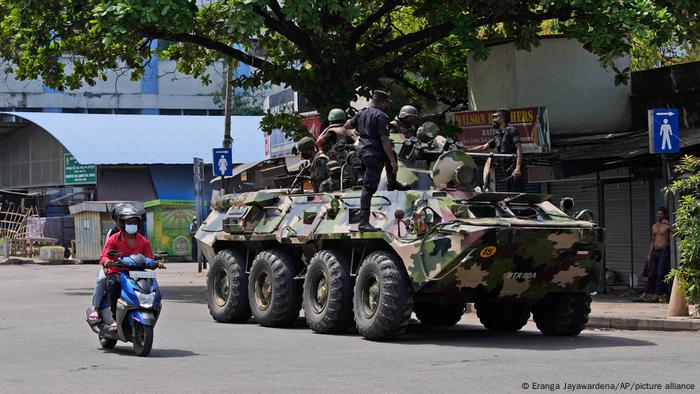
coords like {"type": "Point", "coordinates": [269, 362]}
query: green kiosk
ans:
{"type": "Point", "coordinates": [167, 226]}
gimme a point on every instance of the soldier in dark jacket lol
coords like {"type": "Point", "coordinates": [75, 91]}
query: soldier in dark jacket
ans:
{"type": "Point", "coordinates": [507, 140]}
{"type": "Point", "coordinates": [375, 150]}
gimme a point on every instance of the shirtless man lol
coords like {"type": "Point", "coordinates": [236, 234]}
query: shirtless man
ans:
{"type": "Point", "coordinates": [660, 254]}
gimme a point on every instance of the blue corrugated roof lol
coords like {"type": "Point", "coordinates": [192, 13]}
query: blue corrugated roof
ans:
{"type": "Point", "coordinates": [149, 139]}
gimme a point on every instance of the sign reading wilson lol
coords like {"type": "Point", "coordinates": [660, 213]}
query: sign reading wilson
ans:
{"type": "Point", "coordinates": [532, 123]}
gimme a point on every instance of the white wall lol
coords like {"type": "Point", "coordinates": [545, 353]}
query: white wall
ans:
{"type": "Point", "coordinates": [175, 90]}
{"type": "Point", "coordinates": [560, 74]}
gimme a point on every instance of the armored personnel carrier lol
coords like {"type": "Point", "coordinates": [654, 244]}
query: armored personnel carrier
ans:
{"type": "Point", "coordinates": [442, 244]}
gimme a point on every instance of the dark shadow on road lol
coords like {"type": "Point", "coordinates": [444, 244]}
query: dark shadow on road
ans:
{"type": "Point", "coordinates": [186, 294]}
{"type": "Point", "coordinates": [477, 336]}
{"type": "Point", "coordinates": [79, 291]}
{"type": "Point", "coordinates": [126, 350]}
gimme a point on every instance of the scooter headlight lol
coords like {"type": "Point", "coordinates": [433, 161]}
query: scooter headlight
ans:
{"type": "Point", "coordinates": [146, 300]}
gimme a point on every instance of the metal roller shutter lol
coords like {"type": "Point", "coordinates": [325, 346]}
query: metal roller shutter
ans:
{"type": "Point", "coordinates": [584, 193]}
{"type": "Point", "coordinates": [627, 223]}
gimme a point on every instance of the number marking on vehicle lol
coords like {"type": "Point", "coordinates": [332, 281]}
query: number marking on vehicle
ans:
{"type": "Point", "coordinates": [487, 251]}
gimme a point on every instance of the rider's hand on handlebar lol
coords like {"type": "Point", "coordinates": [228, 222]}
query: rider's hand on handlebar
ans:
{"type": "Point", "coordinates": [110, 263]}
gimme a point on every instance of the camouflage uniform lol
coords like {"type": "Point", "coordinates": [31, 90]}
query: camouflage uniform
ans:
{"type": "Point", "coordinates": [331, 184]}
{"type": "Point", "coordinates": [336, 141]}
{"type": "Point", "coordinates": [398, 126]}
{"type": "Point", "coordinates": [318, 170]}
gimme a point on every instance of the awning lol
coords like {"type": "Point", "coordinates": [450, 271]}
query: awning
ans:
{"type": "Point", "coordinates": [149, 139]}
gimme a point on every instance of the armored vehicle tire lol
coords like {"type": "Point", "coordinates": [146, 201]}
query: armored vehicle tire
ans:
{"type": "Point", "coordinates": [432, 314]}
{"type": "Point", "coordinates": [227, 288]}
{"type": "Point", "coordinates": [383, 300]}
{"type": "Point", "coordinates": [328, 292]}
{"type": "Point", "coordinates": [502, 316]}
{"type": "Point", "coordinates": [563, 314]}
{"type": "Point", "coordinates": [108, 343]}
{"type": "Point", "coordinates": [273, 294]}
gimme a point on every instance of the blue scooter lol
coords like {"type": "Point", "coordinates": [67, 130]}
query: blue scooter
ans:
{"type": "Point", "coordinates": [138, 306]}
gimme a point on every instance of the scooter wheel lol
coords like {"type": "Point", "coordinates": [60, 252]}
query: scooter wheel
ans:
{"type": "Point", "coordinates": [143, 339]}
{"type": "Point", "coordinates": [107, 343]}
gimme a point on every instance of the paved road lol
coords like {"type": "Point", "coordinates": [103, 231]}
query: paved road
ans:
{"type": "Point", "coordinates": [45, 346]}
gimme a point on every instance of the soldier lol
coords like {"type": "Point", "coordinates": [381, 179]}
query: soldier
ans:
{"type": "Point", "coordinates": [331, 184]}
{"type": "Point", "coordinates": [334, 139]}
{"type": "Point", "coordinates": [317, 161]}
{"type": "Point", "coordinates": [405, 122]}
{"type": "Point", "coordinates": [507, 140]}
{"type": "Point", "coordinates": [375, 151]}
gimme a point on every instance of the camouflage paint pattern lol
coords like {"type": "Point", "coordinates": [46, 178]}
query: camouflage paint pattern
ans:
{"type": "Point", "coordinates": [494, 245]}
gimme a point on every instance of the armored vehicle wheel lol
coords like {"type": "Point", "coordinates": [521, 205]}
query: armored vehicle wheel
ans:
{"type": "Point", "coordinates": [564, 314]}
{"type": "Point", "coordinates": [383, 299]}
{"type": "Point", "coordinates": [227, 288]}
{"type": "Point", "coordinates": [328, 292]}
{"type": "Point", "coordinates": [274, 295]}
{"type": "Point", "coordinates": [502, 316]}
{"type": "Point", "coordinates": [433, 314]}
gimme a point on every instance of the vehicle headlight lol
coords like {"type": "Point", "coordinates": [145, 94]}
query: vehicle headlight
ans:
{"type": "Point", "coordinates": [146, 300]}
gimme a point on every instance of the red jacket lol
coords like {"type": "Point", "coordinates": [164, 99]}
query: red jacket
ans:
{"type": "Point", "coordinates": [119, 243]}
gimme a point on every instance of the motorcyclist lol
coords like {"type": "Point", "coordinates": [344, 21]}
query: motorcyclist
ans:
{"type": "Point", "coordinates": [101, 280]}
{"type": "Point", "coordinates": [126, 242]}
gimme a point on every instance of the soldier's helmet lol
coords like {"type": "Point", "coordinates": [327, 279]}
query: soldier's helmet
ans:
{"type": "Point", "coordinates": [333, 167]}
{"type": "Point", "coordinates": [408, 110]}
{"type": "Point", "coordinates": [427, 131]}
{"type": "Point", "coordinates": [336, 115]}
{"type": "Point", "coordinates": [305, 144]}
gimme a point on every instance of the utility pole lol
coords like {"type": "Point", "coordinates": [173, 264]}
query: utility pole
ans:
{"type": "Point", "coordinates": [227, 114]}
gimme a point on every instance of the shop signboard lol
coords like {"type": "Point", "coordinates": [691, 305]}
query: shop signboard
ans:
{"type": "Point", "coordinates": [75, 173]}
{"type": "Point", "coordinates": [532, 123]}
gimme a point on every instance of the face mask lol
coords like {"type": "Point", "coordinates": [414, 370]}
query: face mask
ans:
{"type": "Point", "coordinates": [131, 228]}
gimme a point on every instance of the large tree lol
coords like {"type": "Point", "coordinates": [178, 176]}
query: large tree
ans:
{"type": "Point", "coordinates": [330, 49]}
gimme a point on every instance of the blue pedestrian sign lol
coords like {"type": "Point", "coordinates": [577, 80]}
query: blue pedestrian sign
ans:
{"type": "Point", "coordinates": [664, 136]}
{"type": "Point", "coordinates": [223, 162]}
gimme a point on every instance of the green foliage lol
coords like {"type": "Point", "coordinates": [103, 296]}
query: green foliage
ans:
{"type": "Point", "coordinates": [331, 50]}
{"type": "Point", "coordinates": [291, 125]}
{"type": "Point", "coordinates": [687, 187]}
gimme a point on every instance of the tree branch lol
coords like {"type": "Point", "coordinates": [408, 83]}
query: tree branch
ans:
{"type": "Point", "coordinates": [390, 67]}
{"type": "Point", "coordinates": [362, 28]}
{"type": "Point", "coordinates": [430, 96]}
{"type": "Point", "coordinates": [434, 32]}
{"type": "Point", "coordinates": [289, 30]}
{"type": "Point", "coordinates": [209, 43]}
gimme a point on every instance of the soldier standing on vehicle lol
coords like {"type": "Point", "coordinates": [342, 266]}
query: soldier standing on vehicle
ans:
{"type": "Point", "coordinates": [331, 184]}
{"type": "Point", "coordinates": [375, 150]}
{"type": "Point", "coordinates": [317, 161]}
{"type": "Point", "coordinates": [405, 121]}
{"type": "Point", "coordinates": [507, 141]}
{"type": "Point", "coordinates": [335, 138]}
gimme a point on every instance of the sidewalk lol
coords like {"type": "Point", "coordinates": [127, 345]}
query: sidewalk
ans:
{"type": "Point", "coordinates": [619, 312]}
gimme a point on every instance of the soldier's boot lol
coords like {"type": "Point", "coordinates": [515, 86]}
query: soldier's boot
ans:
{"type": "Point", "coordinates": [364, 225]}
{"type": "Point", "coordinates": [395, 185]}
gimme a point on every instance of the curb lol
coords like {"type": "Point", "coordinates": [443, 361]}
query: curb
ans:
{"type": "Point", "coordinates": [666, 324]}
{"type": "Point", "coordinates": [22, 261]}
